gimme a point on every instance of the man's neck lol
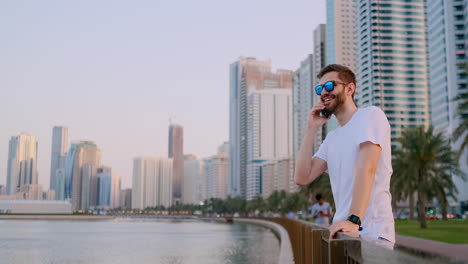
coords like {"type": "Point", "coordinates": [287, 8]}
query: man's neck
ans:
{"type": "Point", "coordinates": [346, 113]}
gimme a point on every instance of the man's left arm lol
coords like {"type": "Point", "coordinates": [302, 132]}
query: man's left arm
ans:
{"type": "Point", "coordinates": [368, 159]}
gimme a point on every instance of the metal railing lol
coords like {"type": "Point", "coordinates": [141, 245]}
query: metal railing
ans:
{"type": "Point", "coordinates": [311, 243]}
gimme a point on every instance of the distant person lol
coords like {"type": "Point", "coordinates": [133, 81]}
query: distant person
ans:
{"type": "Point", "coordinates": [357, 156]}
{"type": "Point", "coordinates": [321, 211]}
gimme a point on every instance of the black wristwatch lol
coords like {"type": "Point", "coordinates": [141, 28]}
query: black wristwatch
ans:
{"type": "Point", "coordinates": [355, 220]}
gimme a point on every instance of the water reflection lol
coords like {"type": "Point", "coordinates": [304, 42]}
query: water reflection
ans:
{"type": "Point", "coordinates": [135, 241]}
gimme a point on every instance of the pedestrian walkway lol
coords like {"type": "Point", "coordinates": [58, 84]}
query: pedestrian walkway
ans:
{"type": "Point", "coordinates": [458, 252]}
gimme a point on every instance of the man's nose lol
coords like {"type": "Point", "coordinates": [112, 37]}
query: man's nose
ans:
{"type": "Point", "coordinates": [324, 92]}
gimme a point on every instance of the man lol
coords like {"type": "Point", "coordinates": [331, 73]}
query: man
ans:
{"type": "Point", "coordinates": [321, 211]}
{"type": "Point", "coordinates": [357, 156]}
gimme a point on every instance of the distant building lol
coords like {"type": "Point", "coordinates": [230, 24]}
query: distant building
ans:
{"type": "Point", "coordinates": [273, 176]}
{"type": "Point", "coordinates": [34, 207]}
{"type": "Point", "coordinates": [83, 160]}
{"type": "Point", "coordinates": [393, 61]}
{"type": "Point", "coordinates": [176, 153]}
{"type": "Point", "coordinates": [48, 195]}
{"type": "Point", "coordinates": [58, 160]}
{"type": "Point", "coordinates": [60, 184]}
{"type": "Point", "coordinates": [109, 185]}
{"type": "Point", "coordinates": [31, 192]}
{"type": "Point", "coordinates": [340, 40]}
{"type": "Point", "coordinates": [246, 75]}
{"type": "Point", "coordinates": [151, 182]}
{"type": "Point", "coordinates": [304, 98]}
{"type": "Point", "coordinates": [216, 173]}
{"type": "Point", "coordinates": [125, 199]}
{"type": "Point", "coordinates": [448, 48]}
{"type": "Point", "coordinates": [2, 190]}
{"type": "Point", "coordinates": [194, 181]}
{"type": "Point", "coordinates": [22, 162]}
{"type": "Point", "coordinates": [269, 134]}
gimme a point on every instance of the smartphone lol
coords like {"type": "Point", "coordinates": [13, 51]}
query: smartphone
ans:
{"type": "Point", "coordinates": [324, 113]}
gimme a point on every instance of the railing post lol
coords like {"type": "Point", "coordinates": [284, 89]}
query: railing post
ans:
{"type": "Point", "coordinates": [336, 251]}
{"type": "Point", "coordinates": [316, 246]}
{"type": "Point", "coordinates": [324, 249]}
{"type": "Point", "coordinates": [307, 239]}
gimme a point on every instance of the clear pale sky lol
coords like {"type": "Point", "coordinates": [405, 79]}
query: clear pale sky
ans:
{"type": "Point", "coordinates": [115, 71]}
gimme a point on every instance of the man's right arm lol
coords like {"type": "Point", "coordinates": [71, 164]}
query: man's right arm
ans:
{"type": "Point", "coordinates": [307, 169]}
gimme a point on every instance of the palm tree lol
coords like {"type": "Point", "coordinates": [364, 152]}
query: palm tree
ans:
{"type": "Point", "coordinates": [404, 181]}
{"type": "Point", "coordinates": [257, 203]}
{"type": "Point", "coordinates": [462, 111]}
{"type": "Point", "coordinates": [425, 162]}
{"type": "Point", "coordinates": [320, 185]}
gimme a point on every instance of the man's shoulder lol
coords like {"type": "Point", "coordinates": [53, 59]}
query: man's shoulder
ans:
{"type": "Point", "coordinates": [373, 114]}
{"type": "Point", "coordinates": [372, 109]}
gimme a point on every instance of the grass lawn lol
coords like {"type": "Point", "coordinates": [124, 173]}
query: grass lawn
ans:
{"type": "Point", "coordinates": [451, 231]}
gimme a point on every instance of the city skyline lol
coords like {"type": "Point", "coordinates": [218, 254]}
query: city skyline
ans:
{"type": "Point", "coordinates": [117, 77]}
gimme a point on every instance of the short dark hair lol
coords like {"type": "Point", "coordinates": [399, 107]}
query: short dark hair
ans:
{"type": "Point", "coordinates": [318, 197]}
{"type": "Point", "coordinates": [345, 73]}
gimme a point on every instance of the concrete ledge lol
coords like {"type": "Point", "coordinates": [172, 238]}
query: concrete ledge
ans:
{"type": "Point", "coordinates": [286, 252]}
{"type": "Point", "coordinates": [55, 217]}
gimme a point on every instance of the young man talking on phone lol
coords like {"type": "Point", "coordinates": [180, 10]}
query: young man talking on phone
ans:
{"type": "Point", "coordinates": [357, 156]}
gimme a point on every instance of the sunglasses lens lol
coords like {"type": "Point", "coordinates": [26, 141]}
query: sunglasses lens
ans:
{"type": "Point", "coordinates": [329, 86]}
{"type": "Point", "coordinates": [318, 89]}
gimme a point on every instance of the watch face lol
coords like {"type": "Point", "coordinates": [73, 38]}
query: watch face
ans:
{"type": "Point", "coordinates": [354, 219]}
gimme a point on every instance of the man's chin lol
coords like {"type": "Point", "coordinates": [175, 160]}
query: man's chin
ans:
{"type": "Point", "coordinates": [330, 110]}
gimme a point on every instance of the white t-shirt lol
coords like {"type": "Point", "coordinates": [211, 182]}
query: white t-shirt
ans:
{"type": "Point", "coordinates": [320, 219]}
{"type": "Point", "coordinates": [340, 150]}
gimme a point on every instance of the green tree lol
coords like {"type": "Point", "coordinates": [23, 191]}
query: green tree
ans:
{"type": "Point", "coordinates": [404, 180]}
{"type": "Point", "coordinates": [293, 203]}
{"type": "Point", "coordinates": [424, 161]}
{"type": "Point", "coordinates": [236, 205]}
{"type": "Point", "coordinates": [275, 202]}
{"type": "Point", "coordinates": [256, 204]}
{"type": "Point", "coordinates": [320, 185]}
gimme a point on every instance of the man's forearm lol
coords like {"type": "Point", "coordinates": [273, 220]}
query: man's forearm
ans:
{"type": "Point", "coordinates": [361, 193]}
{"type": "Point", "coordinates": [303, 164]}
{"type": "Point", "coordinates": [364, 181]}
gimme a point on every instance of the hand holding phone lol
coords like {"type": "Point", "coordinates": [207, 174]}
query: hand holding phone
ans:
{"type": "Point", "coordinates": [324, 113]}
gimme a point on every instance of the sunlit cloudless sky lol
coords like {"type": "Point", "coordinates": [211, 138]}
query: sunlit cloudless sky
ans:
{"type": "Point", "coordinates": [115, 72]}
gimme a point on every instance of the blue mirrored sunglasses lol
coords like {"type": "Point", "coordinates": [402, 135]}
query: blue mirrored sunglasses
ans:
{"type": "Point", "coordinates": [329, 86]}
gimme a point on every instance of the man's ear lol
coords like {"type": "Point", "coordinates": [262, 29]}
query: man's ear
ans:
{"type": "Point", "coordinates": [350, 89]}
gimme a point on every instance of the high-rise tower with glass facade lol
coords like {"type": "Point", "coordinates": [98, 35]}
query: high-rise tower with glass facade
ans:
{"type": "Point", "coordinates": [392, 61]}
{"type": "Point", "coordinates": [176, 153]}
{"type": "Point", "coordinates": [83, 160]}
{"type": "Point", "coordinates": [447, 49]}
{"type": "Point", "coordinates": [247, 74]}
{"type": "Point", "coordinates": [57, 160]}
{"type": "Point", "coordinates": [22, 162]}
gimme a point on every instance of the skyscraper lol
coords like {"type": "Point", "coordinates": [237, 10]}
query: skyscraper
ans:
{"type": "Point", "coordinates": [58, 158]}
{"type": "Point", "coordinates": [152, 182]}
{"type": "Point", "coordinates": [109, 186]}
{"type": "Point", "coordinates": [247, 74]}
{"type": "Point", "coordinates": [126, 199]}
{"type": "Point", "coordinates": [341, 33]}
{"type": "Point", "coordinates": [447, 49]}
{"type": "Point", "coordinates": [84, 158]}
{"type": "Point", "coordinates": [176, 153]}
{"type": "Point", "coordinates": [392, 61]}
{"type": "Point", "coordinates": [194, 181]}
{"type": "Point", "coordinates": [22, 162]}
{"type": "Point", "coordinates": [340, 39]}
{"type": "Point", "coordinates": [304, 98]}
{"type": "Point", "coordinates": [319, 59]}
{"type": "Point", "coordinates": [216, 172]}
{"type": "Point", "coordinates": [269, 133]}
{"type": "Point", "coordinates": [319, 49]}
